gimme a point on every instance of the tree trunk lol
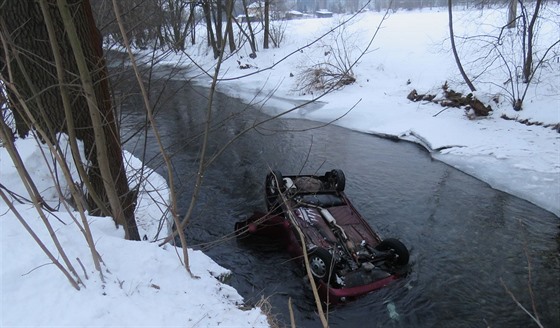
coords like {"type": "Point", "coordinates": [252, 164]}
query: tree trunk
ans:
{"type": "Point", "coordinates": [191, 23]}
{"type": "Point", "coordinates": [512, 14]}
{"type": "Point", "coordinates": [455, 54]}
{"type": "Point", "coordinates": [251, 34]}
{"type": "Point", "coordinates": [34, 75]}
{"type": "Point", "coordinates": [218, 22]}
{"type": "Point", "coordinates": [528, 65]}
{"type": "Point", "coordinates": [208, 19]}
{"type": "Point", "coordinates": [266, 23]}
{"type": "Point", "coordinates": [229, 26]}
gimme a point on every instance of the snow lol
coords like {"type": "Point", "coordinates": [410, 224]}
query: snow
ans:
{"type": "Point", "coordinates": [145, 285]}
{"type": "Point", "coordinates": [412, 51]}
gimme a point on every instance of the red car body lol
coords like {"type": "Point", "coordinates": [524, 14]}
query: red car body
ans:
{"type": "Point", "coordinates": [347, 257]}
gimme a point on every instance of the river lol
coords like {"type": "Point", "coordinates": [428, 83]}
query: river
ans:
{"type": "Point", "coordinates": [473, 249]}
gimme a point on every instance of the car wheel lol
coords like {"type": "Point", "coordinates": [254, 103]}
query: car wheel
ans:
{"type": "Point", "coordinates": [321, 264]}
{"type": "Point", "coordinates": [397, 248]}
{"type": "Point", "coordinates": [274, 183]}
{"type": "Point", "coordinates": [273, 186]}
{"type": "Point", "coordinates": [337, 180]}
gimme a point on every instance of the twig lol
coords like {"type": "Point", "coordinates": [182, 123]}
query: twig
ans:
{"type": "Point", "coordinates": [83, 268]}
{"type": "Point", "coordinates": [441, 111]}
{"type": "Point", "coordinates": [292, 318]}
{"type": "Point", "coordinates": [293, 220]}
{"type": "Point", "coordinates": [534, 316]}
{"type": "Point", "coordinates": [166, 159]}
{"type": "Point", "coordinates": [39, 242]}
{"type": "Point", "coordinates": [40, 266]}
{"type": "Point", "coordinates": [536, 320]}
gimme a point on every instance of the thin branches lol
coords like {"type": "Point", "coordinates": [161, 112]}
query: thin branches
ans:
{"type": "Point", "coordinates": [149, 113]}
{"type": "Point", "coordinates": [516, 51]}
{"type": "Point", "coordinates": [535, 315]}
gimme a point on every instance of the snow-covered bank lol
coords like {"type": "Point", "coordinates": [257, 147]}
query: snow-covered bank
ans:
{"type": "Point", "coordinates": [411, 51]}
{"type": "Point", "coordinates": [143, 285]}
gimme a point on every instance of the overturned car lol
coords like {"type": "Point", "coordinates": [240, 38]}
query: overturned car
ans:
{"type": "Point", "coordinates": [347, 258]}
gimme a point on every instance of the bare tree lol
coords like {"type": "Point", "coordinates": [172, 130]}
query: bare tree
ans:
{"type": "Point", "coordinates": [36, 85]}
{"type": "Point", "coordinates": [454, 47]}
{"type": "Point", "coordinates": [176, 25]}
{"type": "Point", "coordinates": [521, 54]}
{"type": "Point", "coordinates": [206, 6]}
{"type": "Point", "coordinates": [145, 21]}
{"type": "Point", "coordinates": [251, 35]}
{"type": "Point", "coordinates": [229, 26]}
{"type": "Point", "coordinates": [529, 39]}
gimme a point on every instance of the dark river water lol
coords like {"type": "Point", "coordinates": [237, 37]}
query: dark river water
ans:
{"type": "Point", "coordinates": [473, 249]}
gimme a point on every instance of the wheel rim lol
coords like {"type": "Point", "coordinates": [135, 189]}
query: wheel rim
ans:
{"type": "Point", "coordinates": [272, 186]}
{"type": "Point", "coordinates": [318, 267]}
{"type": "Point", "coordinates": [399, 252]}
{"type": "Point", "coordinates": [332, 179]}
{"type": "Point", "coordinates": [335, 179]}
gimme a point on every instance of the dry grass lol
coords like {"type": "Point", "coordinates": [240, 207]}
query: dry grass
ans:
{"type": "Point", "coordinates": [266, 308]}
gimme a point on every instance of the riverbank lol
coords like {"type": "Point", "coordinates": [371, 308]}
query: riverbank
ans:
{"type": "Point", "coordinates": [140, 284]}
{"type": "Point", "coordinates": [145, 285]}
{"type": "Point", "coordinates": [522, 159]}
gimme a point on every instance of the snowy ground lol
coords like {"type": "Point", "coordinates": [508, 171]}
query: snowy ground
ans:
{"type": "Point", "coordinates": [412, 51]}
{"type": "Point", "coordinates": [145, 284]}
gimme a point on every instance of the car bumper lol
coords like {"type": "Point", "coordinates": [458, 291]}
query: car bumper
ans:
{"type": "Point", "coordinates": [341, 295]}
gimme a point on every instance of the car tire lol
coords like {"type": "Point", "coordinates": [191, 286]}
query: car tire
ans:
{"type": "Point", "coordinates": [273, 186]}
{"type": "Point", "coordinates": [321, 264]}
{"type": "Point", "coordinates": [337, 179]}
{"type": "Point", "coordinates": [398, 248]}
{"type": "Point", "coordinates": [272, 179]}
